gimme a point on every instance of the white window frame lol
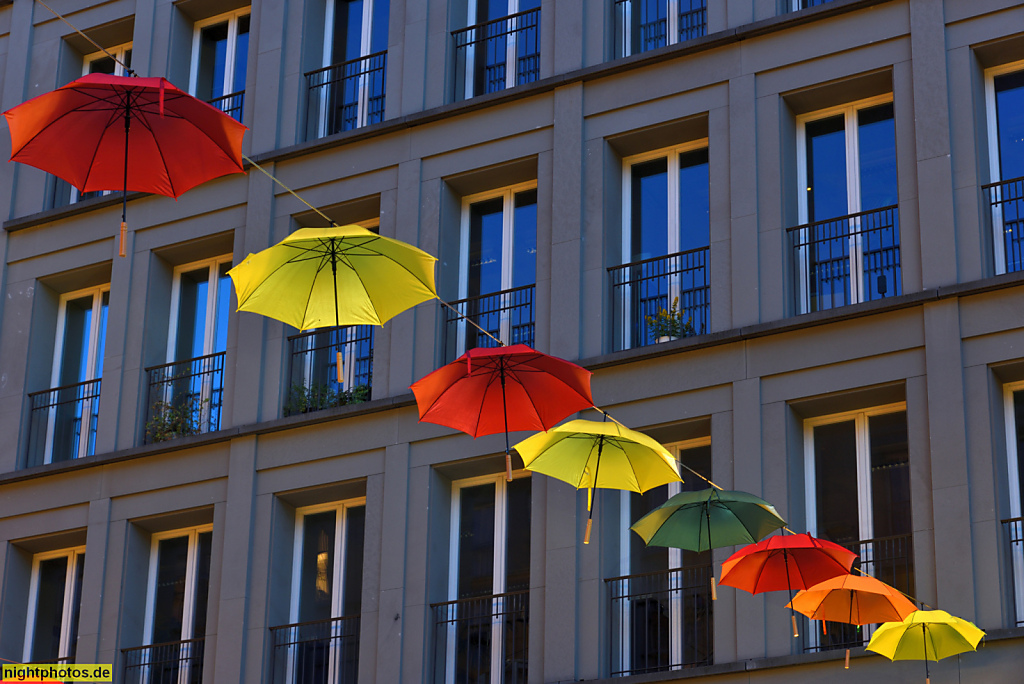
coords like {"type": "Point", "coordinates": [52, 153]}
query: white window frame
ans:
{"type": "Point", "coordinates": [675, 560]}
{"type": "Point", "coordinates": [231, 58]}
{"type": "Point", "coordinates": [853, 201]}
{"type": "Point", "coordinates": [90, 367]}
{"type": "Point", "coordinates": [510, 50]}
{"type": "Point", "coordinates": [66, 627]}
{"type": "Point", "coordinates": [210, 330]}
{"type": "Point", "coordinates": [508, 195]}
{"type": "Point", "coordinates": [992, 123]}
{"type": "Point", "coordinates": [498, 587]}
{"type": "Point", "coordinates": [1014, 475]}
{"type": "Point", "coordinates": [365, 38]}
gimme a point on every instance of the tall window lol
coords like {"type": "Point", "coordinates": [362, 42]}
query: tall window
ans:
{"type": "Point", "coordinates": [500, 48]}
{"type": "Point", "coordinates": [55, 597]}
{"type": "Point", "coordinates": [846, 249]}
{"type": "Point", "coordinates": [642, 25]}
{"type": "Point", "coordinates": [220, 50]}
{"type": "Point", "coordinates": [498, 270]}
{"type": "Point", "coordinates": [321, 646]}
{"type": "Point", "coordinates": [1013, 403]}
{"type": "Point", "coordinates": [665, 240]}
{"type": "Point", "coordinates": [481, 633]}
{"type": "Point", "coordinates": [1004, 89]}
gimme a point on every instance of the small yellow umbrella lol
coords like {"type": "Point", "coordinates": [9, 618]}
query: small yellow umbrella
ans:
{"type": "Point", "coordinates": [588, 454]}
{"type": "Point", "coordinates": [925, 635]}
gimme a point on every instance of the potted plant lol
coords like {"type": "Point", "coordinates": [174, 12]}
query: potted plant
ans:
{"type": "Point", "coordinates": [668, 324]}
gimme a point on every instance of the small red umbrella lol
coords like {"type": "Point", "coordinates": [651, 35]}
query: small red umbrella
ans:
{"type": "Point", "coordinates": [490, 390]}
{"type": "Point", "coordinates": [104, 132]}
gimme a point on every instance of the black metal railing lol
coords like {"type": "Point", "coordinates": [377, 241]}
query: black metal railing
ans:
{"type": "Point", "coordinates": [184, 398]}
{"type": "Point", "coordinates": [60, 419]}
{"type": "Point", "coordinates": [176, 662]}
{"type": "Point", "coordinates": [665, 296]}
{"type": "Point", "coordinates": [640, 27]}
{"type": "Point", "coordinates": [661, 620]}
{"type": "Point", "coordinates": [848, 259]}
{"type": "Point", "coordinates": [1015, 537]}
{"type": "Point", "coordinates": [889, 559]}
{"type": "Point", "coordinates": [345, 96]}
{"type": "Point", "coordinates": [230, 104]}
{"type": "Point", "coordinates": [1006, 211]}
{"type": "Point", "coordinates": [787, 6]}
{"type": "Point", "coordinates": [317, 652]}
{"type": "Point", "coordinates": [474, 636]}
{"type": "Point", "coordinates": [313, 370]}
{"type": "Point", "coordinates": [508, 315]}
{"type": "Point", "coordinates": [485, 53]}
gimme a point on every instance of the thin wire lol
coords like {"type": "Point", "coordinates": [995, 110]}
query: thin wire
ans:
{"type": "Point", "coordinates": [79, 32]}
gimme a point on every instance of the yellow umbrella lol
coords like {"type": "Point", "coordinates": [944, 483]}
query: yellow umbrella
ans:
{"type": "Point", "coordinates": [925, 635]}
{"type": "Point", "coordinates": [588, 454]}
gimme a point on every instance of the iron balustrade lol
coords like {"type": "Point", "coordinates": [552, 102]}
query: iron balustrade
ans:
{"type": "Point", "coordinates": [848, 259]}
{"type": "Point", "coordinates": [313, 370]}
{"type": "Point", "coordinates": [175, 662]}
{"type": "Point", "coordinates": [230, 104]}
{"type": "Point", "coordinates": [55, 423]}
{"type": "Point", "coordinates": [661, 620]}
{"type": "Point", "coordinates": [508, 315]}
{"type": "Point", "coordinates": [639, 27]}
{"type": "Point", "coordinates": [184, 398]}
{"type": "Point", "coordinates": [641, 289]}
{"type": "Point", "coordinates": [345, 96]}
{"type": "Point", "coordinates": [316, 652]}
{"type": "Point", "coordinates": [486, 53]}
{"type": "Point", "coordinates": [1006, 211]}
{"type": "Point", "coordinates": [472, 635]}
{"type": "Point", "coordinates": [1015, 538]}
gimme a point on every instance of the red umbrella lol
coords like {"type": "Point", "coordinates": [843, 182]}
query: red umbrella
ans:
{"type": "Point", "coordinates": [490, 390]}
{"type": "Point", "coordinates": [104, 132]}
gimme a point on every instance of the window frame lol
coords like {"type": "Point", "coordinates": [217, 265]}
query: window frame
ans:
{"type": "Point", "coordinates": [365, 50]}
{"type": "Point", "coordinates": [72, 554]}
{"type": "Point", "coordinates": [210, 326]}
{"type": "Point", "coordinates": [994, 175]}
{"type": "Point", "coordinates": [624, 39]}
{"type": "Point", "coordinates": [230, 61]}
{"type": "Point", "coordinates": [118, 53]}
{"type": "Point", "coordinates": [1014, 485]}
{"type": "Point", "coordinates": [511, 51]}
{"type": "Point", "coordinates": [188, 608]}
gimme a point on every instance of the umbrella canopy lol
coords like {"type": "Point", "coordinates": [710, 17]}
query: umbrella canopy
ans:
{"type": "Point", "coordinates": [925, 635]}
{"type": "Point", "coordinates": [786, 561]}
{"type": "Point", "coordinates": [343, 275]}
{"type": "Point", "coordinates": [491, 390]}
{"type": "Point", "coordinates": [708, 519]}
{"type": "Point", "coordinates": [588, 454]}
{"type": "Point", "coordinates": [853, 599]}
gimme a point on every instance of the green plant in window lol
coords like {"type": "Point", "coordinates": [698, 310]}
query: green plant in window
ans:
{"type": "Point", "coordinates": [669, 323]}
{"type": "Point", "coordinates": [319, 396]}
{"type": "Point", "coordinates": [179, 418]}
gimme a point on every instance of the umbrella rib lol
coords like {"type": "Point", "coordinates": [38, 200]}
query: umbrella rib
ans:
{"type": "Point", "coordinates": [393, 260]}
{"type": "Point", "coordinates": [309, 297]}
{"type": "Point", "coordinates": [373, 304]}
{"type": "Point", "coordinates": [266, 279]}
{"type": "Point", "coordinates": [529, 398]}
{"type": "Point", "coordinates": [96, 149]}
{"type": "Point", "coordinates": [160, 152]}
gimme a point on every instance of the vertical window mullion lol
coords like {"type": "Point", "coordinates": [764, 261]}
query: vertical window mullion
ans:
{"type": "Point", "coordinates": [864, 500]}
{"type": "Point", "coordinates": [854, 205]}
{"type": "Point", "coordinates": [188, 610]}
{"type": "Point", "coordinates": [672, 22]}
{"type": "Point", "coordinates": [69, 599]}
{"type": "Point", "coordinates": [498, 604]}
{"type": "Point", "coordinates": [230, 55]}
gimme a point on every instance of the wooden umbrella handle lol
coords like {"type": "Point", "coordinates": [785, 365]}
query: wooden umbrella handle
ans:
{"type": "Point", "coordinates": [124, 236]}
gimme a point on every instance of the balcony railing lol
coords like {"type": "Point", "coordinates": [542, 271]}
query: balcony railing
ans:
{"type": "Point", "coordinates": [176, 662]}
{"type": "Point", "coordinates": [786, 6]}
{"type": "Point", "coordinates": [230, 104]}
{"type": "Point", "coordinates": [62, 423]}
{"type": "Point", "coordinates": [345, 96]}
{"type": "Point", "coordinates": [474, 636]}
{"type": "Point", "coordinates": [661, 620]}
{"type": "Point", "coordinates": [846, 260]}
{"type": "Point", "coordinates": [497, 54]}
{"type": "Point", "coordinates": [185, 398]}
{"type": "Point", "coordinates": [641, 26]}
{"type": "Point", "coordinates": [1006, 211]}
{"type": "Point", "coordinates": [318, 652]}
{"type": "Point", "coordinates": [508, 315]}
{"type": "Point", "coordinates": [889, 559]}
{"type": "Point", "coordinates": [313, 374]}
{"type": "Point", "coordinates": [642, 289]}
{"type": "Point", "coordinates": [1015, 537]}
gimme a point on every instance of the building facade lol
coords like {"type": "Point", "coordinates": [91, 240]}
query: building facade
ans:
{"type": "Point", "coordinates": [822, 202]}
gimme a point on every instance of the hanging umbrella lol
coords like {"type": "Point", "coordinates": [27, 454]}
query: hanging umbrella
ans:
{"type": "Point", "coordinates": [925, 635]}
{"type": "Point", "coordinates": [342, 275]}
{"type": "Point", "coordinates": [588, 454]}
{"type": "Point", "coordinates": [491, 390]}
{"type": "Point", "coordinates": [786, 562]}
{"type": "Point", "coordinates": [104, 132]}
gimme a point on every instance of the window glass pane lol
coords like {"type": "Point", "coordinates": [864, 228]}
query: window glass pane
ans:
{"type": "Point", "coordinates": [650, 28]}
{"type": "Point", "coordinates": [476, 541]}
{"type": "Point", "coordinates": [102, 65]}
{"type": "Point", "coordinates": [352, 593]}
{"type": "Point", "coordinates": [877, 149]}
{"type": "Point", "coordinates": [1018, 413]}
{"type": "Point", "coordinates": [486, 10]}
{"type": "Point", "coordinates": [517, 535]}
{"type": "Point", "coordinates": [643, 558]}
{"type": "Point", "coordinates": [826, 169]}
{"type": "Point", "coordinates": [49, 609]}
{"type": "Point", "coordinates": [649, 220]}
{"type": "Point", "coordinates": [220, 335]}
{"type": "Point", "coordinates": [379, 27]}
{"type": "Point", "coordinates": [77, 330]}
{"type": "Point", "coordinates": [524, 239]}
{"type": "Point", "coordinates": [192, 314]}
{"type": "Point", "coordinates": [213, 50]}
{"type": "Point", "coordinates": [485, 238]}
{"type": "Point", "coordinates": [348, 28]}
{"type": "Point", "coordinates": [698, 458]}
{"type": "Point", "coordinates": [835, 467]}
{"type": "Point", "coordinates": [316, 576]}
{"type": "Point", "coordinates": [169, 603]}
{"type": "Point", "coordinates": [241, 56]}
{"type": "Point", "coordinates": [101, 339]}
{"type": "Point", "coordinates": [1010, 124]}
{"type": "Point", "coordinates": [694, 200]}
{"type": "Point", "coordinates": [203, 548]}
{"type": "Point", "coordinates": [890, 475]}
{"type": "Point", "coordinates": [76, 605]}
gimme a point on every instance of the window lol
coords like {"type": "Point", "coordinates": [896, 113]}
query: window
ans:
{"type": "Point", "coordinates": [1004, 91]}
{"type": "Point", "coordinates": [642, 25]}
{"type": "Point", "coordinates": [498, 269]}
{"type": "Point", "coordinates": [795, 5]}
{"type": "Point", "coordinates": [63, 419]}
{"type": "Point", "coordinates": [857, 482]}
{"type": "Point", "coordinates": [846, 249]}
{"type": "Point", "coordinates": [499, 49]}
{"type": "Point", "coordinates": [661, 605]}
{"type": "Point", "coordinates": [55, 597]}
{"type": "Point", "coordinates": [348, 92]}
{"type": "Point", "coordinates": [481, 633]}
{"type": "Point", "coordinates": [321, 646]}
{"type": "Point", "coordinates": [1013, 406]}
{"type": "Point", "coordinates": [665, 240]}
{"type": "Point", "coordinates": [220, 49]}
